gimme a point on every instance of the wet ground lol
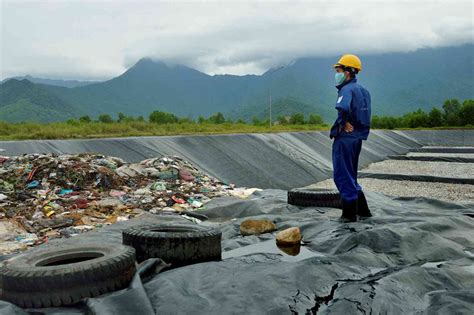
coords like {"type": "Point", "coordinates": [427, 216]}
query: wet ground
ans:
{"type": "Point", "coordinates": [289, 253]}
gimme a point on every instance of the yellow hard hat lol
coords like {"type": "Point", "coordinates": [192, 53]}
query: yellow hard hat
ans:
{"type": "Point", "coordinates": [349, 61]}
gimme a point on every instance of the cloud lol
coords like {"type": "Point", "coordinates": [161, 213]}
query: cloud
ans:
{"type": "Point", "coordinates": [99, 40]}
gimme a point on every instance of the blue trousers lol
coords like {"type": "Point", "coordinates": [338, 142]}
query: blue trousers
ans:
{"type": "Point", "coordinates": [345, 158]}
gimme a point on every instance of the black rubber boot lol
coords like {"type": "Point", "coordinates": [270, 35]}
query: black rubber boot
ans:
{"type": "Point", "coordinates": [349, 210]}
{"type": "Point", "coordinates": [362, 206]}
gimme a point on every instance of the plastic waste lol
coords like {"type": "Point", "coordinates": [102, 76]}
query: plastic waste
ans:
{"type": "Point", "coordinates": [50, 196]}
{"type": "Point", "coordinates": [32, 184]}
{"type": "Point", "coordinates": [65, 192]}
{"type": "Point", "coordinates": [158, 186]}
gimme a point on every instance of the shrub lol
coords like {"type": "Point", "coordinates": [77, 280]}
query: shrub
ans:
{"type": "Point", "coordinates": [217, 118]}
{"type": "Point", "coordinates": [162, 118]}
{"type": "Point", "coordinates": [315, 119]}
{"type": "Point", "coordinates": [451, 112]}
{"type": "Point", "coordinates": [85, 119]}
{"type": "Point", "coordinates": [105, 118]}
{"type": "Point", "coordinates": [297, 119]}
{"type": "Point", "coordinates": [466, 113]}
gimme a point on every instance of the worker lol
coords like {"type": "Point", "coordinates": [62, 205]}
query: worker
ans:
{"type": "Point", "coordinates": [350, 128]}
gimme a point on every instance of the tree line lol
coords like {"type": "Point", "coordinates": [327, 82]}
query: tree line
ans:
{"type": "Point", "coordinates": [161, 117]}
{"type": "Point", "coordinates": [452, 114]}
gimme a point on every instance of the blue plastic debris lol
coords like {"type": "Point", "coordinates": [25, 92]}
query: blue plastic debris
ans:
{"type": "Point", "coordinates": [32, 184]}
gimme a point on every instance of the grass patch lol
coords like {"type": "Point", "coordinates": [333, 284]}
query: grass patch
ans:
{"type": "Point", "coordinates": [81, 130]}
{"type": "Point", "coordinates": [87, 130]}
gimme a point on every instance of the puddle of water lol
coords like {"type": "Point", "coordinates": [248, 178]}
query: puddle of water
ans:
{"type": "Point", "coordinates": [293, 253]}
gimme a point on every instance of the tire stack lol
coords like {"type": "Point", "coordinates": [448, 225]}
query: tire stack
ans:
{"type": "Point", "coordinates": [314, 198]}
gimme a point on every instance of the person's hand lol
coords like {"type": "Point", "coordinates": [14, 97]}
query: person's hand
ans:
{"type": "Point", "coordinates": [348, 127]}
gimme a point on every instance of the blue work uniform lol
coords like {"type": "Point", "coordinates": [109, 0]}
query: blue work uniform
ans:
{"type": "Point", "coordinates": [353, 105]}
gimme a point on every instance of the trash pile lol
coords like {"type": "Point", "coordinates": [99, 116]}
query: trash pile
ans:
{"type": "Point", "coordinates": [44, 196]}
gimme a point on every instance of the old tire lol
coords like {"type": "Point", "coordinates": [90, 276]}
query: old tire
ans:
{"type": "Point", "coordinates": [64, 275]}
{"type": "Point", "coordinates": [310, 198]}
{"type": "Point", "coordinates": [178, 245]}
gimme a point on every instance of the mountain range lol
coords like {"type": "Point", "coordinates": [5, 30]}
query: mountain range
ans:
{"type": "Point", "coordinates": [64, 83]}
{"type": "Point", "coordinates": [398, 82]}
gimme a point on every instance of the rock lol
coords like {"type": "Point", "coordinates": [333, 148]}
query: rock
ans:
{"type": "Point", "coordinates": [255, 227]}
{"type": "Point", "coordinates": [289, 237]}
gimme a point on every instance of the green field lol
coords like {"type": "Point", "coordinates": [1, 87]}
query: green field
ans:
{"type": "Point", "coordinates": [76, 130]}
{"type": "Point", "coordinates": [63, 130]}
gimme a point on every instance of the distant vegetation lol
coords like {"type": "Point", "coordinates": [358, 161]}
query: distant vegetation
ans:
{"type": "Point", "coordinates": [158, 123]}
{"type": "Point", "coordinates": [281, 107]}
{"type": "Point", "coordinates": [453, 114]}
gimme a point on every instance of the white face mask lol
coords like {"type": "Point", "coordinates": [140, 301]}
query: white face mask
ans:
{"type": "Point", "coordinates": [339, 77]}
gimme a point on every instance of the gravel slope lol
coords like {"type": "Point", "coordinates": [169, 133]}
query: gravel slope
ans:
{"type": "Point", "coordinates": [463, 155]}
{"type": "Point", "coordinates": [444, 169]}
{"type": "Point", "coordinates": [442, 191]}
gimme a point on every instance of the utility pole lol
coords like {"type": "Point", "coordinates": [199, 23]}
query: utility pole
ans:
{"type": "Point", "coordinates": [270, 96]}
{"type": "Point", "coordinates": [270, 90]}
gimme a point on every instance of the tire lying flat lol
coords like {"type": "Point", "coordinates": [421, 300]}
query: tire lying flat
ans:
{"type": "Point", "coordinates": [313, 198]}
{"type": "Point", "coordinates": [178, 245]}
{"type": "Point", "coordinates": [63, 275]}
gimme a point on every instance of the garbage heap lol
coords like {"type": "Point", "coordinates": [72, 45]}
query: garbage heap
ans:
{"type": "Point", "coordinates": [48, 196]}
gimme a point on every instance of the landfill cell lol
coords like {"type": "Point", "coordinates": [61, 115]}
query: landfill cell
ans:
{"type": "Point", "coordinates": [414, 256]}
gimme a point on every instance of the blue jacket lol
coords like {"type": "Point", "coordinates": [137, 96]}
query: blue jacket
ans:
{"type": "Point", "coordinates": [353, 105]}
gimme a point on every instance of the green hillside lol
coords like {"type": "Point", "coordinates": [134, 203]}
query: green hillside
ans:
{"type": "Point", "coordinates": [282, 107]}
{"type": "Point", "coordinates": [26, 101]}
{"type": "Point", "coordinates": [398, 82]}
{"type": "Point", "coordinates": [64, 83]}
